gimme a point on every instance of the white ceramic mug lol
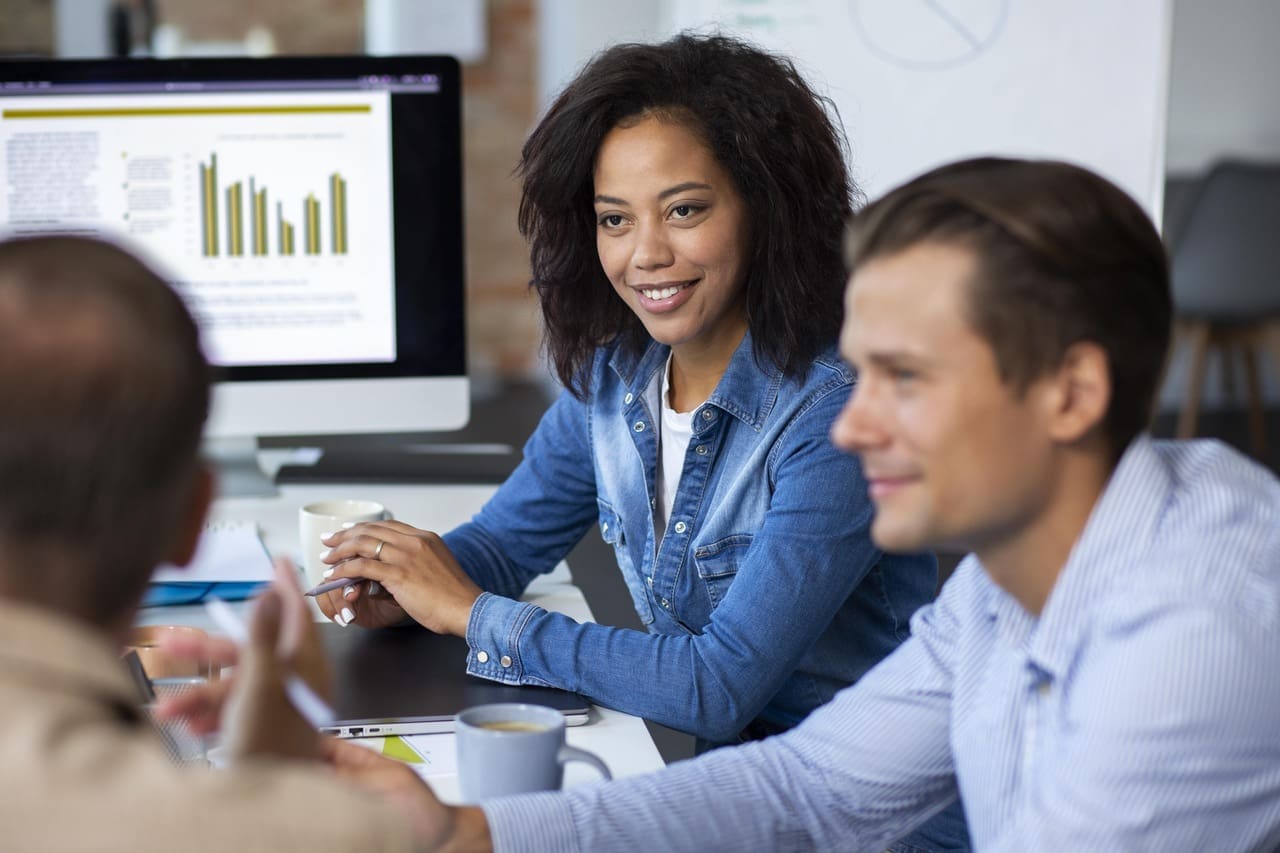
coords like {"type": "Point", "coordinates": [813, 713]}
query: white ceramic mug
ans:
{"type": "Point", "coordinates": [315, 519]}
{"type": "Point", "coordinates": [513, 748]}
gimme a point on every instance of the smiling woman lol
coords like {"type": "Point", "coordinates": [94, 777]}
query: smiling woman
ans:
{"type": "Point", "coordinates": [766, 145]}
{"type": "Point", "coordinates": [672, 235]}
{"type": "Point", "coordinates": [685, 205]}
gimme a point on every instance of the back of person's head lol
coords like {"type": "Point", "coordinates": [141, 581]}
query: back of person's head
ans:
{"type": "Point", "coordinates": [1063, 256]}
{"type": "Point", "coordinates": [763, 124]}
{"type": "Point", "coordinates": [105, 395]}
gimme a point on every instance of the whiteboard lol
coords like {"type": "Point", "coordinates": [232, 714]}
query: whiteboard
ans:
{"type": "Point", "coordinates": [919, 83]}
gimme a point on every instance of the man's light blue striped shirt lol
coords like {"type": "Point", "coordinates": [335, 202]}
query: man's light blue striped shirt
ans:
{"type": "Point", "coordinates": [1141, 711]}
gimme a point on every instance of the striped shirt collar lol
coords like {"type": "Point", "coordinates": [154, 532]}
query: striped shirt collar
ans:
{"type": "Point", "coordinates": [1119, 529]}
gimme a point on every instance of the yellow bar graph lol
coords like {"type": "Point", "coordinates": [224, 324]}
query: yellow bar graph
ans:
{"type": "Point", "coordinates": [258, 197]}
{"type": "Point", "coordinates": [209, 207]}
{"type": "Point", "coordinates": [235, 220]}
{"type": "Point", "coordinates": [338, 213]}
{"type": "Point", "coordinates": [284, 231]}
{"type": "Point", "coordinates": [311, 216]}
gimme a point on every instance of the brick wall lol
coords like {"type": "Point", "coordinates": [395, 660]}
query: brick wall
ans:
{"type": "Point", "coordinates": [26, 27]}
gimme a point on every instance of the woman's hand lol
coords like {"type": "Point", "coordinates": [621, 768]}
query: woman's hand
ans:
{"type": "Point", "coordinates": [416, 572]}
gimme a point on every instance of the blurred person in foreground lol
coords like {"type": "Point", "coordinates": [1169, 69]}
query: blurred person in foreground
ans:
{"type": "Point", "coordinates": [105, 395]}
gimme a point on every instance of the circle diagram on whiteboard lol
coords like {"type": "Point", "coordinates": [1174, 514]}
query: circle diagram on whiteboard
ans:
{"type": "Point", "coordinates": [928, 35]}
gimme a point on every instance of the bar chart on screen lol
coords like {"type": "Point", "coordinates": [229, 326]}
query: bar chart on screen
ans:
{"type": "Point", "coordinates": [261, 204]}
{"type": "Point", "coordinates": [263, 210]}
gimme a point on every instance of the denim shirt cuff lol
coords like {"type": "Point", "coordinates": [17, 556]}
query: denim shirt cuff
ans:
{"type": "Point", "coordinates": [493, 637]}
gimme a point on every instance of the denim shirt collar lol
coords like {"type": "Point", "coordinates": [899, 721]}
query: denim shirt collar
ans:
{"type": "Point", "coordinates": [740, 392]}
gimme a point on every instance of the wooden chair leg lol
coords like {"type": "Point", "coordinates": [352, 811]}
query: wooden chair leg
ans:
{"type": "Point", "coordinates": [1226, 362]}
{"type": "Point", "coordinates": [1257, 422]}
{"type": "Point", "coordinates": [1197, 337]}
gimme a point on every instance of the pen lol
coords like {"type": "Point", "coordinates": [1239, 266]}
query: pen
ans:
{"type": "Point", "coordinates": [331, 585]}
{"type": "Point", "coordinates": [337, 582]}
{"type": "Point", "coordinates": [312, 708]}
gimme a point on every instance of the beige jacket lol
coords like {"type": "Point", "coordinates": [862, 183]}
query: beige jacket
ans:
{"type": "Point", "coordinates": [82, 769]}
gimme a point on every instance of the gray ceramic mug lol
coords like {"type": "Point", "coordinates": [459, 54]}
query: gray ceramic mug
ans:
{"type": "Point", "coordinates": [512, 748]}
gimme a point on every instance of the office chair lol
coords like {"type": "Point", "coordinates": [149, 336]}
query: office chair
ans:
{"type": "Point", "coordinates": [1226, 282]}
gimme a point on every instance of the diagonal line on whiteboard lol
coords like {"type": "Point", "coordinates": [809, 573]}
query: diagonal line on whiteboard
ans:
{"type": "Point", "coordinates": [955, 24]}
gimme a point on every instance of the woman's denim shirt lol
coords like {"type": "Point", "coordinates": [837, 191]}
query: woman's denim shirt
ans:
{"type": "Point", "coordinates": [764, 596]}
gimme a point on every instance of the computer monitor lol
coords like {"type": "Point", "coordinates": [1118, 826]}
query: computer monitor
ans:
{"type": "Point", "coordinates": [309, 211]}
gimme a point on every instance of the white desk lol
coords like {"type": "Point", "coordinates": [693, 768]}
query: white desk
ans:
{"type": "Point", "coordinates": [620, 739]}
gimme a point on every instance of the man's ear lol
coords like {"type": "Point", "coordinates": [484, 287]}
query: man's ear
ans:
{"type": "Point", "coordinates": [1082, 397]}
{"type": "Point", "coordinates": [191, 521]}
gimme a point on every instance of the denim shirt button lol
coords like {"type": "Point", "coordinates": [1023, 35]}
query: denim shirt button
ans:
{"type": "Point", "coordinates": [505, 660]}
{"type": "Point", "coordinates": [681, 527]}
{"type": "Point", "coordinates": [702, 450]}
{"type": "Point", "coordinates": [639, 427]}
{"type": "Point", "coordinates": [649, 580]}
{"type": "Point", "coordinates": [482, 656]}
{"type": "Point", "coordinates": [627, 399]}
{"type": "Point", "coordinates": [708, 414]}
{"type": "Point", "coordinates": [666, 604]}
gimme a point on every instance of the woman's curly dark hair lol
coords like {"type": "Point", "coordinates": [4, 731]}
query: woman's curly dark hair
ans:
{"type": "Point", "coordinates": [768, 129]}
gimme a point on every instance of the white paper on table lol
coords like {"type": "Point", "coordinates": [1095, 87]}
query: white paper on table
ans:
{"type": "Point", "coordinates": [439, 752]}
{"type": "Point", "coordinates": [229, 551]}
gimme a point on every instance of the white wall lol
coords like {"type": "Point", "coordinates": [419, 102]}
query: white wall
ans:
{"type": "Point", "coordinates": [1223, 82]}
{"type": "Point", "coordinates": [80, 29]}
{"type": "Point", "coordinates": [454, 27]}
{"type": "Point", "coordinates": [571, 31]}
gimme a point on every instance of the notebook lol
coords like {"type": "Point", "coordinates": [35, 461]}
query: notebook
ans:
{"type": "Point", "coordinates": [230, 562]}
{"type": "Point", "coordinates": [405, 681]}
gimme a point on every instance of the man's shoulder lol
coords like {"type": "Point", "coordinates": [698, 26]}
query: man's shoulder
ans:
{"type": "Point", "coordinates": [1205, 471]}
{"type": "Point", "coordinates": [1216, 540]}
{"type": "Point", "coordinates": [1219, 501]}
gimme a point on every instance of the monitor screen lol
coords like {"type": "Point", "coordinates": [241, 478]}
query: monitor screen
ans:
{"type": "Point", "coordinates": [308, 210]}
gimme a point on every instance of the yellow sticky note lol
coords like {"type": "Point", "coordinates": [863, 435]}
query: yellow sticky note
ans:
{"type": "Point", "coordinates": [395, 747]}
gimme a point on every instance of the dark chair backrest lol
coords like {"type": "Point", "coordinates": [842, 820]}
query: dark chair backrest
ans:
{"type": "Point", "coordinates": [1226, 262]}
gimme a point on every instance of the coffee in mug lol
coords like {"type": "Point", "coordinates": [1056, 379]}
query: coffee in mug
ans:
{"type": "Point", "coordinates": [513, 726]}
{"type": "Point", "coordinates": [511, 748]}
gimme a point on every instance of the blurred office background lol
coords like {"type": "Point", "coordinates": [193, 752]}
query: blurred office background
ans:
{"type": "Point", "coordinates": [516, 54]}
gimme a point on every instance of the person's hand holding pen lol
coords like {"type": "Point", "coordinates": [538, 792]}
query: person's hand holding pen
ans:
{"type": "Point", "coordinates": [292, 635]}
{"type": "Point", "coordinates": [415, 570]}
{"type": "Point", "coordinates": [258, 717]}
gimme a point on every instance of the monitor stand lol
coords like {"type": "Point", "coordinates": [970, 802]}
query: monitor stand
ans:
{"type": "Point", "coordinates": [239, 474]}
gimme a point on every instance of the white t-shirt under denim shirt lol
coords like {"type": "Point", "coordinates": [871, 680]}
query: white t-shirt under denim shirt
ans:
{"type": "Point", "coordinates": [673, 441]}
